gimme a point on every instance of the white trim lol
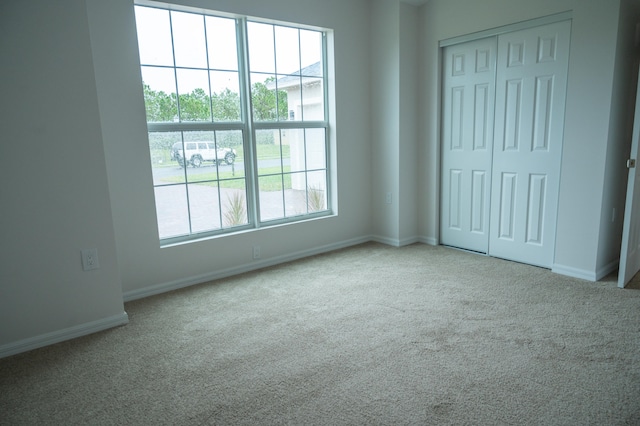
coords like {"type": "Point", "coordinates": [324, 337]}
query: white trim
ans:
{"type": "Point", "coordinates": [584, 274]}
{"type": "Point", "coordinates": [395, 242]}
{"type": "Point", "coordinates": [574, 272]}
{"type": "Point", "coordinates": [58, 336]}
{"type": "Point", "coordinates": [607, 269]}
{"type": "Point", "coordinates": [408, 241]}
{"type": "Point", "coordinates": [386, 240]}
{"type": "Point", "coordinates": [432, 241]}
{"type": "Point", "coordinates": [224, 273]}
{"type": "Point", "coordinates": [536, 22]}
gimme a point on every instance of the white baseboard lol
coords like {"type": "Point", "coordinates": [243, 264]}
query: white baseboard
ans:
{"type": "Point", "coordinates": [574, 272]}
{"type": "Point", "coordinates": [199, 279]}
{"type": "Point", "coordinates": [409, 241]}
{"type": "Point", "coordinates": [429, 240]}
{"type": "Point", "coordinates": [607, 269]}
{"type": "Point", "coordinates": [224, 273]}
{"type": "Point", "coordinates": [386, 240]}
{"type": "Point", "coordinates": [62, 335]}
{"type": "Point", "coordinates": [596, 275]}
{"type": "Point", "coordinates": [395, 242]}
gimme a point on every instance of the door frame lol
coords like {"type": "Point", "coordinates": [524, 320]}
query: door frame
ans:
{"type": "Point", "coordinates": [523, 25]}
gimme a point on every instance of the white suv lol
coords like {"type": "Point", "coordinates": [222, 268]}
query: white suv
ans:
{"type": "Point", "coordinates": [196, 153]}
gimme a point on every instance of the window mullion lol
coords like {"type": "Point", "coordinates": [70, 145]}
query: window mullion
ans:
{"type": "Point", "coordinates": [327, 139]}
{"type": "Point", "coordinates": [206, 46]}
{"type": "Point", "coordinates": [300, 72]}
{"type": "Point", "coordinates": [193, 126]}
{"type": "Point", "coordinates": [175, 77]}
{"type": "Point", "coordinates": [250, 160]}
{"type": "Point", "coordinates": [215, 134]}
{"type": "Point", "coordinates": [276, 125]}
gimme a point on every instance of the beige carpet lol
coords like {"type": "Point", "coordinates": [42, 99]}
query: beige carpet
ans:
{"type": "Point", "coordinates": [366, 335]}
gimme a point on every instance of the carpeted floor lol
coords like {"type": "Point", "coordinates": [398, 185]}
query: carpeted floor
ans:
{"type": "Point", "coordinates": [365, 335]}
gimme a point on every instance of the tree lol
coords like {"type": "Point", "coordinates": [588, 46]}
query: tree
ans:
{"type": "Point", "coordinates": [264, 101]}
{"type": "Point", "coordinates": [226, 106]}
{"type": "Point", "coordinates": [195, 106]}
{"type": "Point", "coordinates": [268, 104]}
{"type": "Point", "coordinates": [159, 106]}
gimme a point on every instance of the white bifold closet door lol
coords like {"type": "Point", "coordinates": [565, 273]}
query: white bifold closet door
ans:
{"type": "Point", "coordinates": [503, 123]}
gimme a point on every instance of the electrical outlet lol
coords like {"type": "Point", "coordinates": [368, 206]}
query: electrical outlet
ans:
{"type": "Point", "coordinates": [256, 252]}
{"type": "Point", "coordinates": [90, 259]}
{"type": "Point", "coordinates": [387, 198]}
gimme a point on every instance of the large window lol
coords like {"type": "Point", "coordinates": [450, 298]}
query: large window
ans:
{"type": "Point", "coordinates": [237, 118]}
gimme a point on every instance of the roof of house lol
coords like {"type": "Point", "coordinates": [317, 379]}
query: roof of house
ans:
{"type": "Point", "coordinates": [309, 73]}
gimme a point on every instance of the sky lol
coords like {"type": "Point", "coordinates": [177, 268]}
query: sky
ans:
{"type": "Point", "coordinates": [210, 45]}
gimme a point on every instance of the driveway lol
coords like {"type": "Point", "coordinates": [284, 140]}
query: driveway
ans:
{"type": "Point", "coordinates": [204, 202]}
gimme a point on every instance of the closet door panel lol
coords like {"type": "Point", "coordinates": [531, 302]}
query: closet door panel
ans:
{"type": "Point", "coordinates": [467, 138]}
{"type": "Point", "coordinates": [529, 124]}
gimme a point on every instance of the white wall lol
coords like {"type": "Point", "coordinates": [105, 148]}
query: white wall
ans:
{"type": "Point", "coordinates": [385, 108]}
{"type": "Point", "coordinates": [145, 267]}
{"type": "Point", "coordinates": [622, 108]}
{"type": "Point", "coordinates": [408, 147]}
{"type": "Point", "coordinates": [54, 193]}
{"type": "Point", "coordinates": [587, 121]}
{"type": "Point", "coordinates": [589, 97]}
{"type": "Point", "coordinates": [394, 38]}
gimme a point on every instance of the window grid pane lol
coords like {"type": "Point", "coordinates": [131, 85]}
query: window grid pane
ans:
{"type": "Point", "coordinates": [294, 168]}
{"type": "Point", "coordinates": [199, 176]}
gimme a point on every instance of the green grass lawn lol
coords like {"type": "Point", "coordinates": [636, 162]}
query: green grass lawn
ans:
{"type": "Point", "coordinates": [226, 179]}
{"type": "Point", "coordinates": [271, 182]}
{"type": "Point", "coordinates": [162, 158]}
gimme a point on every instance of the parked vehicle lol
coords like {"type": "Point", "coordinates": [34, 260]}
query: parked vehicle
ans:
{"type": "Point", "coordinates": [195, 153]}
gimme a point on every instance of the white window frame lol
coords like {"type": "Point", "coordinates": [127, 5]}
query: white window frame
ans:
{"type": "Point", "coordinates": [249, 127]}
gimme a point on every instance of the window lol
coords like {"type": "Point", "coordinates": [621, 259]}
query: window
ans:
{"type": "Point", "coordinates": [237, 118]}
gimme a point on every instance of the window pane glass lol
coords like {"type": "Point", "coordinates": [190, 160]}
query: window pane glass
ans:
{"type": "Point", "coordinates": [225, 88]}
{"type": "Point", "coordinates": [201, 156]}
{"type": "Point", "coordinates": [295, 197]}
{"type": "Point", "coordinates": [164, 148]}
{"type": "Point", "coordinates": [212, 155]}
{"type": "Point", "coordinates": [188, 40]}
{"type": "Point", "coordinates": [233, 194]}
{"type": "Point", "coordinates": [154, 36]}
{"type": "Point", "coordinates": [193, 88]}
{"type": "Point", "coordinates": [287, 50]}
{"type": "Point", "coordinates": [261, 47]}
{"type": "Point", "coordinates": [171, 210]}
{"type": "Point", "coordinates": [290, 86]}
{"type": "Point", "coordinates": [268, 151]}
{"type": "Point", "coordinates": [312, 99]}
{"type": "Point", "coordinates": [268, 103]}
{"type": "Point", "coordinates": [222, 44]}
{"type": "Point", "coordinates": [316, 191]}
{"type": "Point", "coordinates": [159, 94]}
{"type": "Point", "coordinates": [296, 157]}
{"type": "Point", "coordinates": [315, 144]}
{"type": "Point", "coordinates": [271, 191]}
{"type": "Point", "coordinates": [204, 206]}
{"type": "Point", "coordinates": [230, 155]}
{"type": "Point", "coordinates": [311, 50]}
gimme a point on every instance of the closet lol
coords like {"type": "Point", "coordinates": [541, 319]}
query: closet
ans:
{"type": "Point", "coordinates": [503, 101]}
